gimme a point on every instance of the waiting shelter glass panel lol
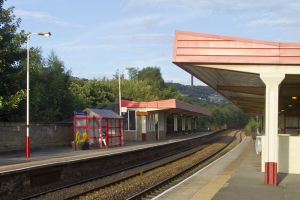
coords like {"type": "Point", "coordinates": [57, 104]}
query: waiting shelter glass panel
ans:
{"type": "Point", "coordinates": [97, 131]}
{"type": "Point", "coordinates": [292, 125]}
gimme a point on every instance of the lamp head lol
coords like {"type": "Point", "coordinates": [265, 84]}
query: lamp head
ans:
{"type": "Point", "coordinates": [46, 34]}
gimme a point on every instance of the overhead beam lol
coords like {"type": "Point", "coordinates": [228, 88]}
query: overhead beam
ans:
{"type": "Point", "coordinates": [242, 89]}
{"type": "Point", "coordinates": [251, 104]}
{"type": "Point", "coordinates": [252, 110]}
{"type": "Point", "coordinates": [255, 69]}
{"type": "Point", "coordinates": [247, 99]}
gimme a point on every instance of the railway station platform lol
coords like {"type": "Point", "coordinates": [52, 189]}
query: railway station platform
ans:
{"type": "Point", "coordinates": [14, 161]}
{"type": "Point", "coordinates": [235, 176]}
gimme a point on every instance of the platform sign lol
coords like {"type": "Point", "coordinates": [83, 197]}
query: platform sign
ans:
{"type": "Point", "coordinates": [142, 113]}
{"type": "Point", "coordinates": [123, 109]}
{"type": "Point", "coordinates": [80, 113]}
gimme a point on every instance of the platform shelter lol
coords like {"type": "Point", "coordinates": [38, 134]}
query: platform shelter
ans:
{"type": "Point", "coordinates": [260, 77]}
{"type": "Point", "coordinates": [155, 120]}
{"type": "Point", "coordinates": [99, 128]}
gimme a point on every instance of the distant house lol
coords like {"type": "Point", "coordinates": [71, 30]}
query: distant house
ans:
{"type": "Point", "coordinates": [156, 120]}
{"type": "Point", "coordinates": [216, 99]}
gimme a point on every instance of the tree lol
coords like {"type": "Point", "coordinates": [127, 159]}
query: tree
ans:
{"type": "Point", "coordinates": [152, 75]}
{"type": "Point", "coordinates": [77, 92]}
{"type": "Point", "coordinates": [133, 89]}
{"type": "Point", "coordinates": [91, 93]}
{"type": "Point", "coordinates": [133, 72]}
{"type": "Point", "coordinates": [11, 41]}
{"type": "Point", "coordinates": [50, 99]}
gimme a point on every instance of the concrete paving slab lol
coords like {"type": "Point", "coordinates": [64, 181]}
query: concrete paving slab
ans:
{"type": "Point", "coordinates": [204, 183]}
{"type": "Point", "coordinates": [236, 176]}
{"type": "Point", "coordinates": [248, 183]}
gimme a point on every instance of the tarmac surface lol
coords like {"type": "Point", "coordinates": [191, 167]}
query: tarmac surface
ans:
{"type": "Point", "coordinates": [235, 176]}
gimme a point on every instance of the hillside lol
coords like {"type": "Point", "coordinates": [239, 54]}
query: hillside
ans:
{"type": "Point", "coordinates": [196, 93]}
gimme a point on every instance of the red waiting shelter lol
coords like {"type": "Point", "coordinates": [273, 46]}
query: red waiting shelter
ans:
{"type": "Point", "coordinates": [98, 128]}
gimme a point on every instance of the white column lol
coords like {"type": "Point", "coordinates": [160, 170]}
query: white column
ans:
{"type": "Point", "coordinates": [183, 123]}
{"type": "Point", "coordinates": [189, 123]}
{"type": "Point", "coordinates": [157, 121]}
{"type": "Point", "coordinates": [175, 123]}
{"type": "Point", "coordinates": [272, 82]}
{"type": "Point", "coordinates": [143, 118]}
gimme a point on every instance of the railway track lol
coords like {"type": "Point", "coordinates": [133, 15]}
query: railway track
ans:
{"type": "Point", "coordinates": [162, 186]}
{"type": "Point", "coordinates": [154, 188]}
{"type": "Point", "coordinates": [95, 184]}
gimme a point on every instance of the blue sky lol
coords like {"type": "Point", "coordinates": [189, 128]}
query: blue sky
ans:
{"type": "Point", "coordinates": [94, 38]}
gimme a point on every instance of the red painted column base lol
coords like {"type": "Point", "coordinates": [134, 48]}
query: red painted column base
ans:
{"type": "Point", "coordinates": [271, 173]}
{"type": "Point", "coordinates": [144, 137]}
{"type": "Point", "coordinates": [27, 147]}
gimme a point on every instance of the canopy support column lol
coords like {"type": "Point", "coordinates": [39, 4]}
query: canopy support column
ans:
{"type": "Point", "coordinates": [189, 123]}
{"type": "Point", "coordinates": [175, 124]}
{"type": "Point", "coordinates": [183, 123]}
{"type": "Point", "coordinates": [272, 82]}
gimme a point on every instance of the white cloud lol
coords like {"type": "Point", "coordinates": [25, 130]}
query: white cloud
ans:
{"type": "Point", "coordinates": [277, 23]}
{"type": "Point", "coordinates": [150, 38]}
{"type": "Point", "coordinates": [230, 7]}
{"type": "Point", "coordinates": [33, 14]}
{"type": "Point", "coordinates": [140, 22]}
{"type": "Point", "coordinates": [43, 17]}
{"type": "Point", "coordinates": [82, 47]}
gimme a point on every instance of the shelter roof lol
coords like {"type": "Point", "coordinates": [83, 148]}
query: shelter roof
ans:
{"type": "Point", "coordinates": [167, 104]}
{"type": "Point", "coordinates": [102, 112]}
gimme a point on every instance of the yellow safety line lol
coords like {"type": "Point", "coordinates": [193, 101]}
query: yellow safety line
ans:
{"type": "Point", "coordinates": [210, 189]}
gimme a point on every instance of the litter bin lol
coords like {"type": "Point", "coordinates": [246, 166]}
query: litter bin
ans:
{"type": "Point", "coordinates": [258, 145]}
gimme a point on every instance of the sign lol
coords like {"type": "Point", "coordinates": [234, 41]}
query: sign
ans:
{"type": "Point", "coordinates": [142, 113]}
{"type": "Point", "coordinates": [123, 109]}
{"type": "Point", "coordinates": [80, 113]}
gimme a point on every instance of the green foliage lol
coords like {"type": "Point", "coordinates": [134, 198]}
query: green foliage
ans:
{"type": "Point", "coordinates": [50, 98]}
{"type": "Point", "coordinates": [14, 100]}
{"type": "Point", "coordinates": [133, 89]}
{"type": "Point", "coordinates": [50, 95]}
{"type": "Point", "coordinates": [223, 116]}
{"type": "Point", "coordinates": [11, 53]}
{"type": "Point", "coordinates": [133, 72]}
{"type": "Point", "coordinates": [251, 127]}
{"type": "Point", "coordinates": [152, 76]}
{"type": "Point", "coordinates": [149, 85]}
{"type": "Point", "coordinates": [91, 93]}
{"type": "Point", "coordinates": [196, 93]}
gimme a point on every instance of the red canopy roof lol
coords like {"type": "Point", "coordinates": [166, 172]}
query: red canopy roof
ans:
{"type": "Point", "coordinates": [167, 104]}
{"type": "Point", "coordinates": [207, 48]}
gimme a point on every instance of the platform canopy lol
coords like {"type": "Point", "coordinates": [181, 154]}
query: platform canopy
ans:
{"type": "Point", "coordinates": [171, 105]}
{"type": "Point", "coordinates": [232, 66]}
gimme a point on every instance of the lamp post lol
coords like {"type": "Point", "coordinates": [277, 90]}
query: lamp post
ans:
{"type": "Point", "coordinates": [120, 97]}
{"type": "Point", "coordinates": [27, 90]}
{"type": "Point", "coordinates": [120, 100]}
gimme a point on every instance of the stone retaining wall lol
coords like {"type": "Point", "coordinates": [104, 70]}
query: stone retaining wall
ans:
{"type": "Point", "coordinates": [12, 135]}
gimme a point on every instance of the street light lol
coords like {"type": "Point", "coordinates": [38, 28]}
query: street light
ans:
{"type": "Point", "coordinates": [120, 98]}
{"type": "Point", "coordinates": [46, 34]}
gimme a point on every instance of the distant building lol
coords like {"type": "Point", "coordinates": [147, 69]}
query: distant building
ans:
{"type": "Point", "coordinates": [157, 119]}
{"type": "Point", "coordinates": [216, 99]}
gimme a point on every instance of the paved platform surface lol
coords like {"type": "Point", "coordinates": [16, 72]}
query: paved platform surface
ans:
{"type": "Point", "coordinates": [234, 177]}
{"type": "Point", "coordinates": [11, 161]}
